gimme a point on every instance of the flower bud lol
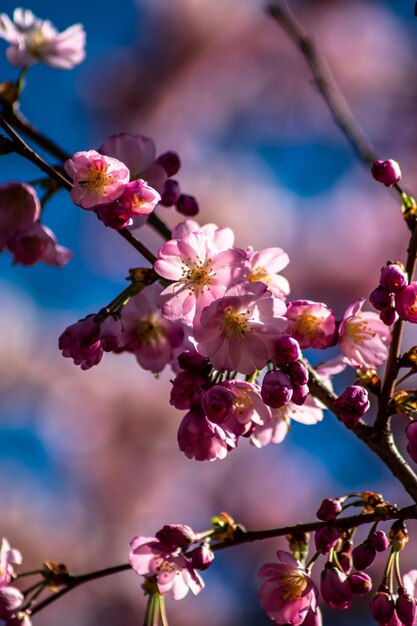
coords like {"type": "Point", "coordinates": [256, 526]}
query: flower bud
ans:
{"type": "Point", "coordinates": [325, 539]}
{"type": "Point", "coordinates": [406, 607]}
{"type": "Point", "coordinates": [176, 535]}
{"type": "Point", "coordinates": [183, 387]}
{"type": "Point", "coordinates": [335, 588]}
{"type": "Point", "coordinates": [171, 193]}
{"type": "Point", "coordinates": [276, 389]}
{"type": "Point", "coordinates": [298, 373]}
{"type": "Point", "coordinates": [351, 405]}
{"type": "Point", "coordinates": [299, 394]}
{"type": "Point", "coordinates": [381, 299]}
{"type": "Point", "coordinates": [363, 555]}
{"type": "Point", "coordinates": [10, 600]}
{"type": "Point", "coordinates": [360, 583]}
{"type": "Point", "coordinates": [329, 509]}
{"type": "Point", "coordinates": [379, 540]}
{"type": "Point", "coordinates": [110, 333]}
{"type": "Point", "coordinates": [345, 561]}
{"type": "Point", "coordinates": [382, 607]}
{"type": "Point", "coordinates": [191, 360]}
{"type": "Point", "coordinates": [393, 278]}
{"type": "Point", "coordinates": [386, 172]}
{"type": "Point", "coordinates": [187, 205]}
{"type": "Point", "coordinates": [286, 350]}
{"type": "Point", "coordinates": [388, 316]}
{"type": "Point", "coordinates": [217, 403]}
{"type": "Point", "coordinates": [170, 161]}
{"type": "Point", "coordinates": [201, 557]}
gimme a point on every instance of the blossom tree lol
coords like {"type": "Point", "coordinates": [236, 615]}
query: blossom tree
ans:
{"type": "Point", "coordinates": [221, 319]}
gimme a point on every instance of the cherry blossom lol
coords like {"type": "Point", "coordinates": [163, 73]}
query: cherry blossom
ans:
{"type": "Point", "coordinates": [33, 40]}
{"type": "Point", "coordinates": [8, 558]}
{"type": "Point", "coordinates": [312, 324]}
{"type": "Point", "coordinates": [38, 244]}
{"type": "Point", "coordinates": [364, 338]}
{"type": "Point", "coordinates": [288, 592]}
{"type": "Point", "coordinates": [19, 210]}
{"type": "Point", "coordinates": [265, 265]}
{"type": "Point", "coordinates": [172, 570]}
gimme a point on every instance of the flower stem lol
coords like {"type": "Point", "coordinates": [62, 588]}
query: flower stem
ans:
{"type": "Point", "coordinates": [162, 612]}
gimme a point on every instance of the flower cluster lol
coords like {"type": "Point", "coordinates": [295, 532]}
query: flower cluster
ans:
{"type": "Point", "coordinates": [21, 232]}
{"type": "Point", "coordinates": [123, 181]}
{"type": "Point", "coordinates": [393, 295]}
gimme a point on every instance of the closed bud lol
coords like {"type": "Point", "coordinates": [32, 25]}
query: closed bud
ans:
{"type": "Point", "coordinates": [379, 540]}
{"type": "Point", "coordinates": [187, 205]}
{"type": "Point", "coordinates": [325, 539]}
{"type": "Point", "coordinates": [171, 193]}
{"type": "Point", "coordinates": [351, 405]}
{"type": "Point", "coordinates": [298, 373]}
{"type": "Point", "coordinates": [335, 588]}
{"type": "Point", "coordinates": [393, 277]}
{"type": "Point", "coordinates": [345, 561]}
{"type": "Point", "coordinates": [191, 360]}
{"type": "Point", "coordinates": [299, 394]}
{"type": "Point", "coordinates": [381, 299]}
{"type": "Point", "coordinates": [360, 583]}
{"type": "Point", "coordinates": [217, 403]}
{"type": "Point", "coordinates": [388, 316]}
{"type": "Point", "coordinates": [276, 389]}
{"type": "Point", "coordinates": [313, 618]}
{"type": "Point", "coordinates": [386, 172]}
{"type": "Point", "coordinates": [329, 509]}
{"type": "Point", "coordinates": [363, 555]}
{"type": "Point", "coordinates": [286, 350]}
{"type": "Point", "coordinates": [201, 557]}
{"type": "Point", "coordinates": [382, 607]}
{"type": "Point", "coordinates": [406, 607]}
{"type": "Point", "coordinates": [170, 161]}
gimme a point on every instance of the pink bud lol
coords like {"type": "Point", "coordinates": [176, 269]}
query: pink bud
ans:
{"type": "Point", "coordinates": [360, 583]}
{"type": "Point", "coordinates": [183, 387]}
{"type": "Point", "coordinates": [217, 403]}
{"type": "Point", "coordinates": [10, 600]}
{"type": "Point", "coordinates": [351, 405]}
{"type": "Point", "coordinates": [382, 607]}
{"type": "Point", "coordinates": [286, 350]}
{"type": "Point", "coordinates": [325, 538]}
{"type": "Point", "coordinates": [110, 333]}
{"type": "Point", "coordinates": [406, 607]}
{"type": "Point", "coordinates": [387, 172]}
{"type": "Point", "coordinates": [345, 561]}
{"type": "Point", "coordinates": [187, 205]}
{"type": "Point", "coordinates": [393, 278]}
{"type": "Point", "coordinates": [170, 161]}
{"type": "Point", "coordinates": [191, 360]}
{"type": "Point", "coordinates": [201, 557]}
{"type": "Point", "coordinates": [329, 509]}
{"type": "Point", "coordinates": [381, 299]}
{"type": "Point", "coordinates": [276, 389]}
{"type": "Point", "coordinates": [298, 373]}
{"type": "Point", "coordinates": [379, 540]}
{"type": "Point", "coordinates": [388, 316]}
{"type": "Point", "coordinates": [176, 535]}
{"type": "Point", "coordinates": [363, 555]}
{"type": "Point", "coordinates": [171, 193]}
{"type": "Point", "coordinates": [335, 588]}
{"type": "Point", "coordinates": [299, 394]}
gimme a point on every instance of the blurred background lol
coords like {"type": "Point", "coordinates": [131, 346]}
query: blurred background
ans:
{"type": "Point", "coordinates": [90, 459]}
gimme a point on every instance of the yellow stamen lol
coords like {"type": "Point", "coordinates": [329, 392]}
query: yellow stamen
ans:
{"type": "Point", "coordinates": [294, 585]}
{"type": "Point", "coordinates": [307, 325]}
{"type": "Point", "coordinates": [149, 332]}
{"type": "Point", "coordinates": [259, 274]}
{"type": "Point", "coordinates": [235, 324]}
{"type": "Point", "coordinates": [98, 177]}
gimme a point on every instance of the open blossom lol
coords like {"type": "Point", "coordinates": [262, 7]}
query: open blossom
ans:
{"type": "Point", "coordinates": [172, 570]}
{"type": "Point", "coordinates": [288, 593]}
{"type": "Point", "coordinates": [148, 334]}
{"type": "Point", "coordinates": [19, 210]}
{"type": "Point", "coordinates": [38, 244]}
{"type": "Point", "coordinates": [98, 179]}
{"type": "Point", "coordinates": [248, 409]}
{"type": "Point", "coordinates": [33, 40]}
{"type": "Point", "coordinates": [222, 237]}
{"type": "Point", "coordinates": [8, 558]}
{"type": "Point", "coordinates": [312, 324]}
{"type": "Point", "coordinates": [237, 331]}
{"type": "Point", "coordinates": [364, 338]}
{"type": "Point", "coordinates": [265, 265]}
{"type": "Point", "coordinates": [200, 273]}
{"type": "Point", "coordinates": [406, 303]}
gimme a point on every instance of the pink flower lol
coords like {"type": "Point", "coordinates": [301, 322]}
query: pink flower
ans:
{"type": "Point", "coordinates": [312, 324]}
{"type": "Point", "coordinates": [138, 153]}
{"type": "Point", "coordinates": [138, 198]}
{"type": "Point", "coordinates": [172, 570]}
{"type": "Point", "coordinates": [34, 40]}
{"type": "Point", "coordinates": [150, 336]}
{"type": "Point", "coordinates": [364, 338]}
{"type": "Point", "coordinates": [276, 430]}
{"type": "Point", "coordinates": [248, 410]}
{"type": "Point", "coordinates": [221, 237]}
{"type": "Point", "coordinates": [288, 592]}
{"type": "Point", "coordinates": [265, 265]}
{"type": "Point", "coordinates": [98, 179]}
{"type": "Point", "coordinates": [19, 210]}
{"type": "Point", "coordinates": [10, 600]}
{"type": "Point", "coordinates": [406, 303]}
{"type": "Point", "coordinates": [81, 342]}
{"type": "Point", "coordinates": [200, 274]}
{"type": "Point", "coordinates": [217, 403]}
{"type": "Point", "coordinates": [38, 244]}
{"type": "Point", "coordinates": [237, 331]}
{"type": "Point", "coordinates": [203, 440]}
{"type": "Point", "coordinates": [8, 558]}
